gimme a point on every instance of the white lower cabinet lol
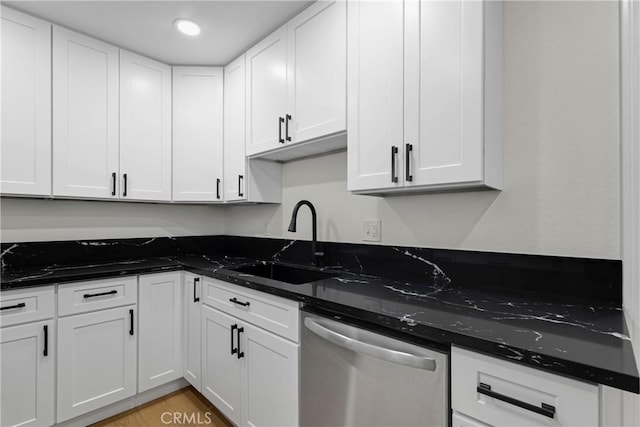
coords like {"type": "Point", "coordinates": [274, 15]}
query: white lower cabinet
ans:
{"type": "Point", "coordinates": [490, 391]}
{"type": "Point", "coordinates": [192, 323]}
{"type": "Point", "coordinates": [160, 338]}
{"type": "Point", "coordinates": [96, 360]}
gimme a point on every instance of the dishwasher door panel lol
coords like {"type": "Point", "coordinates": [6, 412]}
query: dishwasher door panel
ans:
{"type": "Point", "coordinates": [358, 378]}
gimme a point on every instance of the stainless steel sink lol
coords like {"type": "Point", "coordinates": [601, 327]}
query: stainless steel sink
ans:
{"type": "Point", "coordinates": [284, 273]}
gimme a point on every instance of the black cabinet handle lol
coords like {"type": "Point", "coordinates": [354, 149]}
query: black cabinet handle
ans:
{"type": "Point", "coordinates": [217, 188]}
{"type": "Point", "coordinates": [131, 318]}
{"type": "Point", "coordinates": [235, 301]}
{"type": "Point", "coordinates": [240, 353]}
{"type": "Point", "coordinates": [234, 350]}
{"type": "Point", "coordinates": [112, 292]}
{"type": "Point", "coordinates": [9, 307]}
{"type": "Point", "coordinates": [408, 150]}
{"type": "Point", "coordinates": [286, 128]}
{"type": "Point", "coordinates": [280, 122]}
{"type": "Point", "coordinates": [394, 152]}
{"type": "Point", "coordinates": [124, 189]}
{"type": "Point", "coordinates": [113, 184]}
{"type": "Point", "coordinates": [543, 409]}
{"type": "Point", "coordinates": [45, 352]}
{"type": "Point", "coordinates": [240, 178]}
{"type": "Point", "coordinates": [195, 297]}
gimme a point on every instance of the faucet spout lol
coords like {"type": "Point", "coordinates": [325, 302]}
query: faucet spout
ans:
{"type": "Point", "coordinates": [315, 255]}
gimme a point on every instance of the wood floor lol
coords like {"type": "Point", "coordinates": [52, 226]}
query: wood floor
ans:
{"type": "Point", "coordinates": [184, 407]}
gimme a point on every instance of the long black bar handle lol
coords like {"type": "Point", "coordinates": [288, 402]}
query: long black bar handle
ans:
{"type": "Point", "coordinates": [101, 294]}
{"type": "Point", "coordinates": [394, 152]}
{"type": "Point", "coordinates": [131, 318]}
{"type": "Point", "coordinates": [408, 150]}
{"type": "Point", "coordinates": [543, 409]}
{"type": "Point", "coordinates": [124, 188]}
{"type": "Point", "coordinates": [234, 349]}
{"type": "Point", "coordinates": [240, 353]}
{"type": "Point", "coordinates": [113, 184]}
{"type": "Point", "coordinates": [45, 352]}
{"type": "Point", "coordinates": [195, 296]}
{"type": "Point", "coordinates": [217, 188]}
{"type": "Point", "coordinates": [235, 301]}
{"type": "Point", "coordinates": [10, 307]}
{"type": "Point", "coordinates": [286, 128]}
{"type": "Point", "coordinates": [240, 179]}
{"type": "Point", "coordinates": [280, 122]}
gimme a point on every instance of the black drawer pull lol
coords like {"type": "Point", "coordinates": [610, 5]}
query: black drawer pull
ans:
{"type": "Point", "coordinates": [195, 297]}
{"type": "Point", "coordinates": [113, 183]}
{"type": "Point", "coordinates": [217, 188]}
{"type": "Point", "coordinates": [240, 353]}
{"type": "Point", "coordinates": [280, 122]}
{"type": "Point", "coordinates": [240, 178]}
{"type": "Point", "coordinates": [235, 301]}
{"type": "Point", "coordinates": [286, 128]}
{"type": "Point", "coordinates": [101, 294]}
{"type": "Point", "coordinates": [543, 409]}
{"type": "Point", "coordinates": [131, 318]}
{"type": "Point", "coordinates": [45, 352]}
{"type": "Point", "coordinates": [394, 153]}
{"type": "Point", "coordinates": [124, 191]}
{"type": "Point", "coordinates": [9, 307]}
{"type": "Point", "coordinates": [234, 350]}
{"type": "Point", "coordinates": [408, 150]}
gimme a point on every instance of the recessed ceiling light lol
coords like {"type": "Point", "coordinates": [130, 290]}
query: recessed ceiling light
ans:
{"type": "Point", "coordinates": [187, 26]}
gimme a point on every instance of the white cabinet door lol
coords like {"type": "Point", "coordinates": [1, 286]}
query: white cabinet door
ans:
{"type": "Point", "coordinates": [270, 378]}
{"type": "Point", "coordinates": [85, 116]}
{"type": "Point", "coordinates": [192, 324]}
{"type": "Point", "coordinates": [221, 369]}
{"type": "Point", "coordinates": [444, 91]}
{"type": "Point", "coordinates": [266, 95]}
{"type": "Point", "coordinates": [26, 105]}
{"type": "Point", "coordinates": [145, 128]}
{"type": "Point", "coordinates": [96, 360]}
{"type": "Point", "coordinates": [26, 374]}
{"type": "Point", "coordinates": [317, 71]}
{"type": "Point", "coordinates": [160, 320]}
{"type": "Point", "coordinates": [375, 100]}
{"type": "Point", "coordinates": [235, 162]}
{"type": "Point", "coordinates": [197, 134]}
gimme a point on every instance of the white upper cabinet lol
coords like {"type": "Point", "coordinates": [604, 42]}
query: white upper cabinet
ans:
{"type": "Point", "coordinates": [266, 93]}
{"type": "Point", "coordinates": [245, 180]}
{"type": "Point", "coordinates": [317, 71]}
{"type": "Point", "coordinates": [197, 134]}
{"type": "Point", "coordinates": [145, 128]}
{"type": "Point", "coordinates": [85, 116]}
{"type": "Point", "coordinates": [26, 105]}
{"type": "Point", "coordinates": [444, 79]}
{"type": "Point", "coordinates": [296, 85]}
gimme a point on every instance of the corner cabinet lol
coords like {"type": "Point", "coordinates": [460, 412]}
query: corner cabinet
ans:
{"type": "Point", "coordinates": [198, 134]}
{"type": "Point", "coordinates": [296, 86]}
{"type": "Point", "coordinates": [26, 105]}
{"type": "Point", "coordinates": [435, 122]}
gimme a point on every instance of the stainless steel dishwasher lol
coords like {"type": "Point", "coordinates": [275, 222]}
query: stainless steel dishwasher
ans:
{"type": "Point", "coordinates": [352, 376]}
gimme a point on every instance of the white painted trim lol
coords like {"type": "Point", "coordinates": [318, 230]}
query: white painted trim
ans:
{"type": "Point", "coordinates": [630, 184]}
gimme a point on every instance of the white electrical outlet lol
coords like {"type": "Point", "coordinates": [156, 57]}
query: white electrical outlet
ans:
{"type": "Point", "coordinates": [371, 230]}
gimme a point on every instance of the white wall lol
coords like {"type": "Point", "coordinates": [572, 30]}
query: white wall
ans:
{"type": "Point", "coordinates": [562, 173]}
{"type": "Point", "coordinates": [25, 220]}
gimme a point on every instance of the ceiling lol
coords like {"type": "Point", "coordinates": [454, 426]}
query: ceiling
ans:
{"type": "Point", "coordinates": [229, 27]}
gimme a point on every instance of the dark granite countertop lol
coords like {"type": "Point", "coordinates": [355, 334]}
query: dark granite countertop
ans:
{"type": "Point", "coordinates": [586, 341]}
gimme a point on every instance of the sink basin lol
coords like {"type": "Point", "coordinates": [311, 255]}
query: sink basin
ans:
{"type": "Point", "coordinates": [284, 273]}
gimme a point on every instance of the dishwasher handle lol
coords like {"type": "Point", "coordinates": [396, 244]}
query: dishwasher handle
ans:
{"type": "Point", "coordinates": [393, 356]}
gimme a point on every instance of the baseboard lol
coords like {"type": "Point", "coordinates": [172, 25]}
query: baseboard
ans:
{"type": "Point", "coordinates": [125, 405]}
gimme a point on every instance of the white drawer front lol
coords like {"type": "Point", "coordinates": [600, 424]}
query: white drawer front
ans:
{"type": "Point", "coordinates": [575, 403]}
{"type": "Point", "coordinates": [459, 420]}
{"type": "Point", "coordinates": [81, 297]}
{"type": "Point", "coordinates": [278, 315]}
{"type": "Point", "coordinates": [26, 305]}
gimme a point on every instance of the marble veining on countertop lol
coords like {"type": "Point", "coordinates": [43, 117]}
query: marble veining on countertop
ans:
{"type": "Point", "coordinates": [587, 340]}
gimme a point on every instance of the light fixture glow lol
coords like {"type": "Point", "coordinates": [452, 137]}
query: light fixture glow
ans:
{"type": "Point", "coordinates": [187, 26]}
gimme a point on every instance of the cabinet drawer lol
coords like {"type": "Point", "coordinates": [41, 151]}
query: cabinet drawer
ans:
{"type": "Point", "coordinates": [26, 305]}
{"type": "Point", "coordinates": [498, 393]}
{"type": "Point", "coordinates": [278, 315]}
{"type": "Point", "coordinates": [459, 420]}
{"type": "Point", "coordinates": [81, 297]}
